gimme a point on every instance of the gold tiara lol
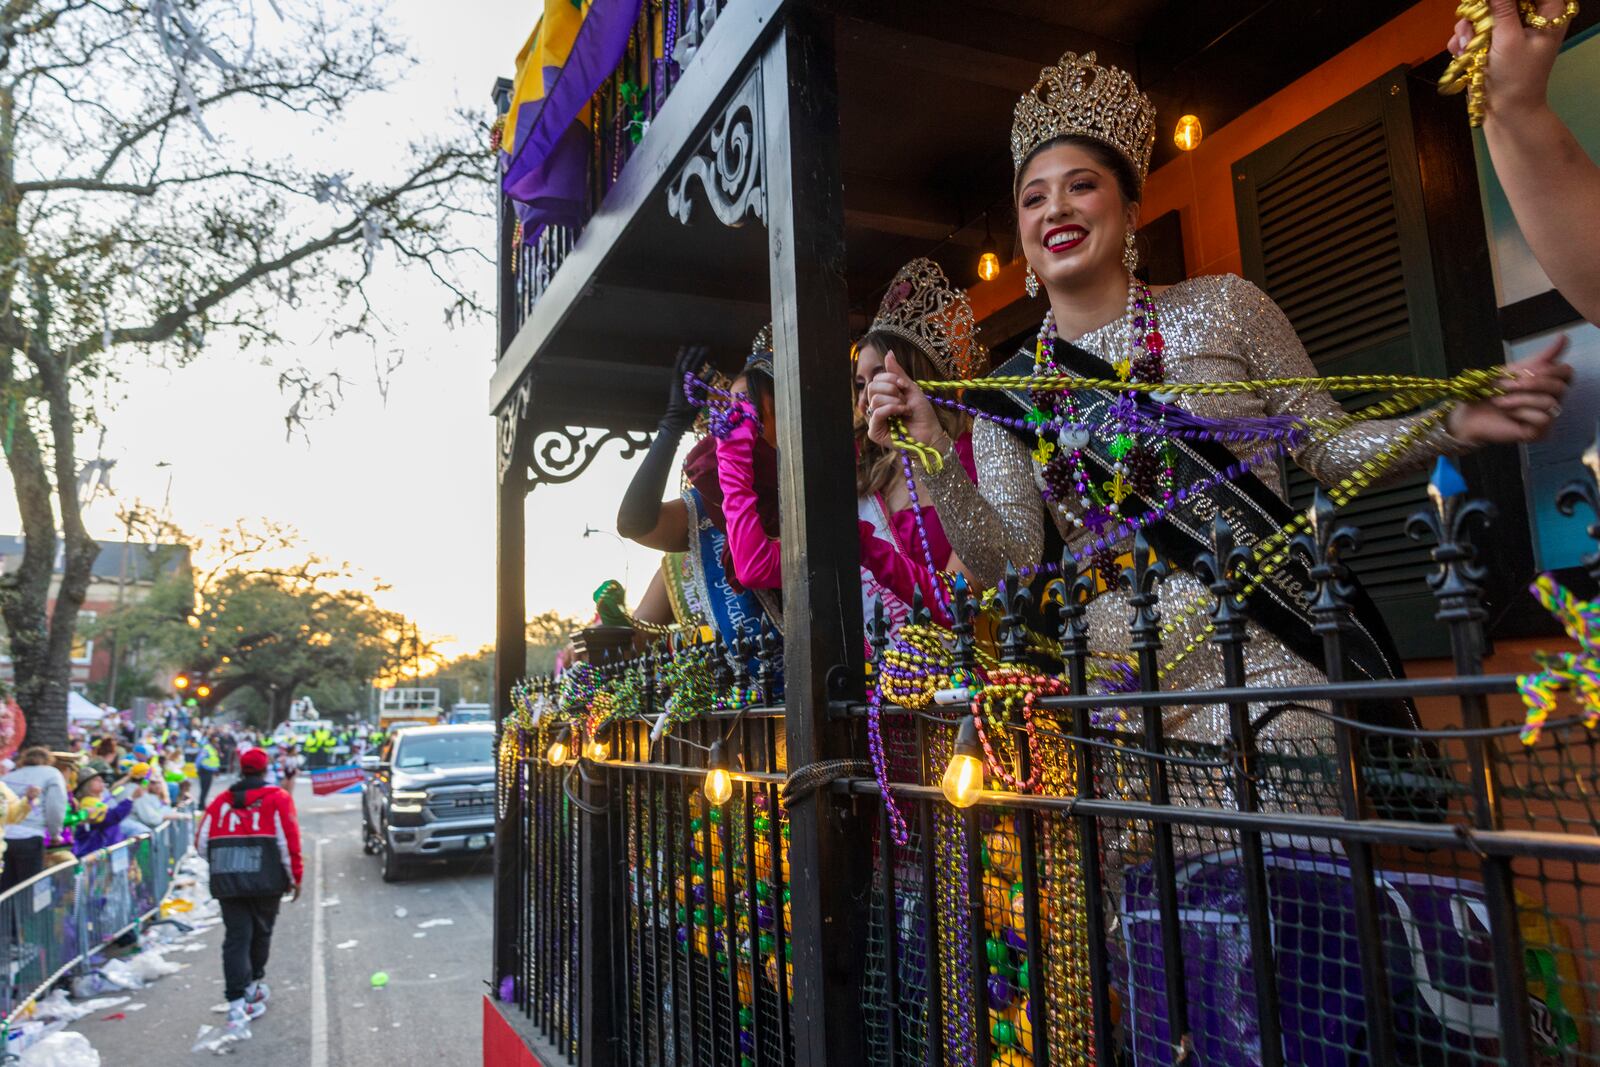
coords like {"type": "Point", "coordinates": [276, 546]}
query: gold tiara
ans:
{"type": "Point", "coordinates": [1077, 97]}
{"type": "Point", "coordinates": [924, 308]}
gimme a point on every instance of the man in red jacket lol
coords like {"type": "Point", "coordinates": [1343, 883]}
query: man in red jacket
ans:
{"type": "Point", "coordinates": [251, 838]}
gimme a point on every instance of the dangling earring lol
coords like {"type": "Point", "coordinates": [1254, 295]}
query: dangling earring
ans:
{"type": "Point", "coordinates": [1030, 282]}
{"type": "Point", "coordinates": [1130, 254]}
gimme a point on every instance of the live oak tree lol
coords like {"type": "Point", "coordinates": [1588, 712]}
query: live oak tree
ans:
{"type": "Point", "coordinates": [265, 617]}
{"type": "Point", "coordinates": [137, 223]}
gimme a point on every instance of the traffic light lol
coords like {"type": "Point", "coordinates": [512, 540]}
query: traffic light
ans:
{"type": "Point", "coordinates": [202, 691]}
{"type": "Point", "coordinates": [181, 682]}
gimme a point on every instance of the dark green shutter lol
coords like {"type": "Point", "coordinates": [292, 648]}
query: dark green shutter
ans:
{"type": "Point", "coordinates": [1331, 226]}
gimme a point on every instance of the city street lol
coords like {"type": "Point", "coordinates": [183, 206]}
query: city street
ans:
{"type": "Point", "coordinates": [430, 934]}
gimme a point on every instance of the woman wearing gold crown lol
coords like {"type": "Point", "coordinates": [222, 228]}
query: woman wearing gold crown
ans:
{"type": "Point", "coordinates": [1081, 144]}
{"type": "Point", "coordinates": [925, 328]}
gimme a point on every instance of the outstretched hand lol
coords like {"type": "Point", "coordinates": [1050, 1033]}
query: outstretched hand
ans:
{"type": "Point", "coordinates": [1532, 399]}
{"type": "Point", "coordinates": [893, 394]}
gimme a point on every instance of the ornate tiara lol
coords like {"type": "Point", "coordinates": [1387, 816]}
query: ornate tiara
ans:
{"type": "Point", "coordinates": [763, 341]}
{"type": "Point", "coordinates": [1077, 97]}
{"type": "Point", "coordinates": [923, 307]}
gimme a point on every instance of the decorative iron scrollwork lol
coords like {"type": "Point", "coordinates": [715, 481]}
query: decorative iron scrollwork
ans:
{"type": "Point", "coordinates": [510, 419]}
{"type": "Point", "coordinates": [729, 163]}
{"type": "Point", "coordinates": [562, 454]}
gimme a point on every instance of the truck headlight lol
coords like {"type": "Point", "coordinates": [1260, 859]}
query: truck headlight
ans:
{"type": "Point", "coordinates": [407, 801]}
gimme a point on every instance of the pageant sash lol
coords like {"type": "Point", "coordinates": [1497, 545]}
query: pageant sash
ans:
{"type": "Point", "coordinates": [706, 586]}
{"type": "Point", "coordinates": [1281, 601]}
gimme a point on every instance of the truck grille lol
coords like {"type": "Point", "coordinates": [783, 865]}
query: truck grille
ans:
{"type": "Point", "coordinates": [460, 804]}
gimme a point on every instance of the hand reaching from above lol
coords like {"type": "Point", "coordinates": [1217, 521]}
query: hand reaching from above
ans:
{"type": "Point", "coordinates": [1520, 57]}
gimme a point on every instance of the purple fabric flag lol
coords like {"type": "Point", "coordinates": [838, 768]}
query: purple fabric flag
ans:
{"type": "Point", "coordinates": [546, 161]}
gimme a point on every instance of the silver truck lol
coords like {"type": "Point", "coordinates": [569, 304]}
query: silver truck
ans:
{"type": "Point", "coordinates": [429, 795]}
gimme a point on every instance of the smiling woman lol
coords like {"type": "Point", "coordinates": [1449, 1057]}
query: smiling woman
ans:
{"type": "Point", "coordinates": [1081, 145]}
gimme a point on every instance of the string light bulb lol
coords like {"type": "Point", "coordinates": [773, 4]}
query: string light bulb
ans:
{"type": "Point", "coordinates": [989, 261]}
{"type": "Point", "coordinates": [1186, 135]}
{"type": "Point", "coordinates": [963, 775]}
{"type": "Point", "coordinates": [557, 753]}
{"type": "Point", "coordinates": [599, 744]}
{"type": "Point", "coordinates": [719, 783]}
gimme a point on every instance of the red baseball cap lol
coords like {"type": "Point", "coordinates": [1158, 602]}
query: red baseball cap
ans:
{"type": "Point", "coordinates": [253, 761]}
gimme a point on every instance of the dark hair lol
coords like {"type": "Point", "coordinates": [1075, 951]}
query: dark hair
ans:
{"type": "Point", "coordinates": [1104, 154]}
{"type": "Point", "coordinates": [759, 382]}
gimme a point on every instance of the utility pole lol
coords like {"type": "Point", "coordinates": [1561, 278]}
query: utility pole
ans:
{"type": "Point", "coordinates": [128, 517]}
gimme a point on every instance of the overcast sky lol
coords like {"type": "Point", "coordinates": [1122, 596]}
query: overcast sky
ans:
{"type": "Point", "coordinates": [404, 490]}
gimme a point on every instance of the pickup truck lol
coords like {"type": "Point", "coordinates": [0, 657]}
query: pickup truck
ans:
{"type": "Point", "coordinates": [430, 794]}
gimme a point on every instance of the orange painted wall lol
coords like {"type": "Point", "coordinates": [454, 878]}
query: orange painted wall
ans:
{"type": "Point", "coordinates": [1199, 184]}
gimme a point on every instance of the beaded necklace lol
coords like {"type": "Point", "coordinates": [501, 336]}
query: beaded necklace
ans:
{"type": "Point", "coordinates": [1142, 458]}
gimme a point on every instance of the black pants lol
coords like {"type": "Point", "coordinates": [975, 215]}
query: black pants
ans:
{"type": "Point", "coordinates": [24, 858]}
{"type": "Point", "coordinates": [205, 777]}
{"type": "Point", "coordinates": [246, 941]}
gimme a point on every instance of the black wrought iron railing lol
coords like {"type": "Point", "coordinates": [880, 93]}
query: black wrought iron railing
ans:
{"type": "Point", "coordinates": [1294, 884]}
{"type": "Point", "coordinates": [666, 37]}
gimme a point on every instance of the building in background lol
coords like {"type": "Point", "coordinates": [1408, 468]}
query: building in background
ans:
{"type": "Point", "coordinates": [124, 573]}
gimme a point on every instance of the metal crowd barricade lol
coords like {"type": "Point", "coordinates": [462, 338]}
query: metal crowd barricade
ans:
{"type": "Point", "coordinates": [57, 920]}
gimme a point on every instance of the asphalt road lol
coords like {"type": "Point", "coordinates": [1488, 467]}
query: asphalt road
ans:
{"type": "Point", "coordinates": [430, 933]}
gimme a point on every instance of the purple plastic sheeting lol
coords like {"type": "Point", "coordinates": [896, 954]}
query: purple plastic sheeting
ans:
{"type": "Point", "coordinates": [1436, 950]}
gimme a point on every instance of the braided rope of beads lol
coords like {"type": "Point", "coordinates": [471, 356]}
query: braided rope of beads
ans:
{"type": "Point", "coordinates": [1473, 384]}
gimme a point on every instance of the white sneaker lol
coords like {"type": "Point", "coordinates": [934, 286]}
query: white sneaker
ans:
{"type": "Point", "coordinates": [240, 1015]}
{"type": "Point", "coordinates": [257, 992]}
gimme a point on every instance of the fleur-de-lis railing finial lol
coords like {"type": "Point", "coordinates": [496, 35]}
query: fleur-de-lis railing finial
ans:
{"type": "Point", "coordinates": [721, 671]}
{"type": "Point", "coordinates": [1458, 583]}
{"type": "Point", "coordinates": [962, 609]}
{"type": "Point", "coordinates": [1222, 569]}
{"type": "Point", "coordinates": [1324, 548]}
{"type": "Point", "coordinates": [1013, 631]}
{"type": "Point", "coordinates": [1141, 581]}
{"type": "Point", "coordinates": [878, 630]}
{"type": "Point", "coordinates": [768, 647]}
{"type": "Point", "coordinates": [1586, 490]}
{"type": "Point", "coordinates": [741, 662]}
{"type": "Point", "coordinates": [919, 612]}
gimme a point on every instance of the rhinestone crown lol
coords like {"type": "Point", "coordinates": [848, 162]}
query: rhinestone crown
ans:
{"type": "Point", "coordinates": [1078, 97]}
{"type": "Point", "coordinates": [923, 307]}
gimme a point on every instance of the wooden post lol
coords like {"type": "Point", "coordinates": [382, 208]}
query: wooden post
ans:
{"type": "Point", "coordinates": [821, 595]}
{"type": "Point", "coordinates": [510, 655]}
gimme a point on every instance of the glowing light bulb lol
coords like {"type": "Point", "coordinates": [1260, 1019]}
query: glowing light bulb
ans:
{"type": "Point", "coordinates": [719, 786]}
{"type": "Point", "coordinates": [963, 781]}
{"type": "Point", "coordinates": [963, 775]}
{"type": "Point", "coordinates": [988, 266]}
{"type": "Point", "coordinates": [1187, 134]}
{"type": "Point", "coordinates": [557, 753]}
{"type": "Point", "coordinates": [597, 750]}
{"type": "Point", "coordinates": [719, 783]}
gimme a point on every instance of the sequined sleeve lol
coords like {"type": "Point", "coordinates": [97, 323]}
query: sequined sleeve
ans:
{"type": "Point", "coordinates": [999, 519]}
{"type": "Point", "coordinates": [1272, 350]}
